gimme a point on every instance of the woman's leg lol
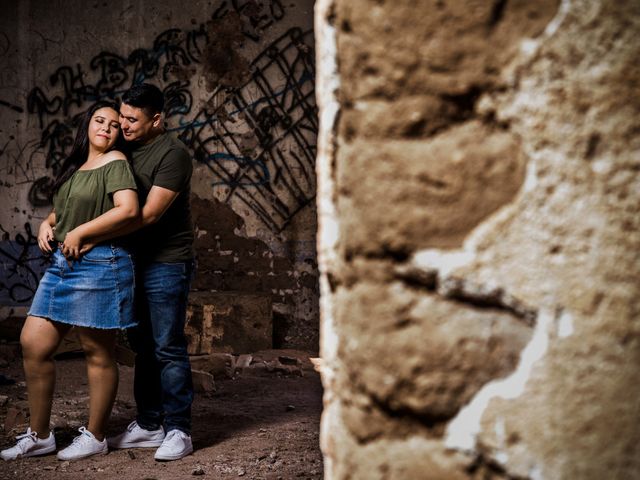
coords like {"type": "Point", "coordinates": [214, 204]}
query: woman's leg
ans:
{"type": "Point", "coordinates": [40, 339]}
{"type": "Point", "coordinates": [102, 371]}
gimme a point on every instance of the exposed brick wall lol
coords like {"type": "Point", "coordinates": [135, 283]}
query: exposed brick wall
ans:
{"type": "Point", "coordinates": [230, 262]}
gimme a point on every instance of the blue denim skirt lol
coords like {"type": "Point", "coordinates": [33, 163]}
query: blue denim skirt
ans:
{"type": "Point", "coordinates": [95, 291]}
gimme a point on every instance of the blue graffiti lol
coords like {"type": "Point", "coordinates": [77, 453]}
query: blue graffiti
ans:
{"type": "Point", "coordinates": [244, 164]}
{"type": "Point", "coordinates": [184, 124]}
{"type": "Point", "coordinates": [257, 138]}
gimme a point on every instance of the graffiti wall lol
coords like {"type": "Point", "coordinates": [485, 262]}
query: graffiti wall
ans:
{"type": "Point", "coordinates": [238, 78]}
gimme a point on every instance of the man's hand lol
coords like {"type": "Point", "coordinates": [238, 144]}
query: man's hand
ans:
{"type": "Point", "coordinates": [87, 247]}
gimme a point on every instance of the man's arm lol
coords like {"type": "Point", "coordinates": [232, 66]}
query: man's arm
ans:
{"type": "Point", "coordinates": [158, 201]}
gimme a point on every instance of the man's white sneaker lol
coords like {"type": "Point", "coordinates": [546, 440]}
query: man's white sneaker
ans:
{"type": "Point", "coordinates": [29, 445]}
{"type": "Point", "coordinates": [83, 446]}
{"type": "Point", "coordinates": [176, 445]}
{"type": "Point", "coordinates": [137, 437]}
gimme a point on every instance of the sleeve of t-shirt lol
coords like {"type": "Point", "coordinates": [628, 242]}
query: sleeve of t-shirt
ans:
{"type": "Point", "coordinates": [119, 176]}
{"type": "Point", "coordinates": [174, 172]}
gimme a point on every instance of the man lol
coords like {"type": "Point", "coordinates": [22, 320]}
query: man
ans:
{"type": "Point", "coordinates": [164, 263]}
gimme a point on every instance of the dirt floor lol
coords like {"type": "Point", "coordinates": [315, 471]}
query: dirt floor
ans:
{"type": "Point", "coordinates": [257, 425]}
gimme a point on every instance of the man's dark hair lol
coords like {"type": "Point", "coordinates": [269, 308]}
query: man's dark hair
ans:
{"type": "Point", "coordinates": [145, 96]}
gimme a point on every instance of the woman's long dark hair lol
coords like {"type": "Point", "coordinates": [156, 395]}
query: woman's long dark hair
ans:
{"type": "Point", "coordinates": [80, 149]}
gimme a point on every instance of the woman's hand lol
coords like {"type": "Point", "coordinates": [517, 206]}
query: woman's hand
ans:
{"type": "Point", "coordinates": [72, 245]}
{"type": "Point", "coordinates": [45, 235]}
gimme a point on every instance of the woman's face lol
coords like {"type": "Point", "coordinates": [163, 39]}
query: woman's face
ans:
{"type": "Point", "coordinates": [103, 129]}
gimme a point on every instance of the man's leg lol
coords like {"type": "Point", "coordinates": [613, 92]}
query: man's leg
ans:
{"type": "Point", "coordinates": [146, 382]}
{"type": "Point", "coordinates": [166, 290]}
{"type": "Point", "coordinates": [146, 431]}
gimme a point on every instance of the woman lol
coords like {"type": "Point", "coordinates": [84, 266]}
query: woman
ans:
{"type": "Point", "coordinates": [92, 292]}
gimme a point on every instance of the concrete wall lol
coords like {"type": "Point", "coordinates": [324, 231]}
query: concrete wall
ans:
{"type": "Point", "coordinates": [479, 235]}
{"type": "Point", "coordinates": [239, 79]}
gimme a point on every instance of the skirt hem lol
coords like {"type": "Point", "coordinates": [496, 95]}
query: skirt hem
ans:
{"type": "Point", "coordinates": [66, 322]}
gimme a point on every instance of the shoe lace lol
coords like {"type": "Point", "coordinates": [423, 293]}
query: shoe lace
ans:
{"type": "Point", "coordinates": [25, 440]}
{"type": "Point", "coordinates": [83, 437]}
{"type": "Point", "coordinates": [173, 433]}
{"type": "Point", "coordinates": [132, 425]}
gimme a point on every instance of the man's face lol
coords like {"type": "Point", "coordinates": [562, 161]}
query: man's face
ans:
{"type": "Point", "coordinates": [136, 125]}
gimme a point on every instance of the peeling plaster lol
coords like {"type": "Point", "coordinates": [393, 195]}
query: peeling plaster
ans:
{"type": "Point", "coordinates": [442, 262]}
{"type": "Point", "coordinates": [536, 474]}
{"type": "Point", "coordinates": [327, 86]}
{"type": "Point", "coordinates": [501, 436]}
{"type": "Point", "coordinates": [531, 177]}
{"type": "Point", "coordinates": [565, 325]}
{"type": "Point", "coordinates": [554, 24]}
{"type": "Point", "coordinates": [462, 431]}
{"type": "Point", "coordinates": [529, 221]}
{"type": "Point", "coordinates": [529, 48]}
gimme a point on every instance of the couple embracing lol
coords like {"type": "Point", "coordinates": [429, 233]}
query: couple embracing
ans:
{"type": "Point", "coordinates": [118, 225]}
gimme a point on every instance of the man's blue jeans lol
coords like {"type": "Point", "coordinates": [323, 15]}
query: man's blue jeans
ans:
{"type": "Point", "coordinates": [163, 387]}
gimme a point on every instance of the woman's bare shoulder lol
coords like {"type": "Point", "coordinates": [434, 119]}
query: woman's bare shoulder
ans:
{"type": "Point", "coordinates": [114, 155]}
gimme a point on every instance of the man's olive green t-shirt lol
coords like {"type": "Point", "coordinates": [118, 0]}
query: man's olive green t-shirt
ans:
{"type": "Point", "coordinates": [88, 194]}
{"type": "Point", "coordinates": [164, 162]}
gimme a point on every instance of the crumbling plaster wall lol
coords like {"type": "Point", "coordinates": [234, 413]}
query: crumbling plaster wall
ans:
{"type": "Point", "coordinates": [239, 81]}
{"type": "Point", "coordinates": [479, 238]}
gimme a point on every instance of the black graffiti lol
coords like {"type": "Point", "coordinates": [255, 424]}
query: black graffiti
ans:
{"type": "Point", "coordinates": [37, 102]}
{"type": "Point", "coordinates": [243, 164]}
{"type": "Point", "coordinates": [15, 108]}
{"type": "Point", "coordinates": [22, 265]}
{"type": "Point", "coordinates": [256, 16]}
{"type": "Point", "coordinates": [4, 147]}
{"type": "Point", "coordinates": [144, 65]}
{"type": "Point", "coordinates": [5, 44]}
{"type": "Point", "coordinates": [277, 180]}
{"type": "Point", "coordinates": [75, 92]}
{"type": "Point", "coordinates": [16, 162]}
{"type": "Point", "coordinates": [67, 90]}
{"type": "Point", "coordinates": [56, 140]}
{"type": "Point", "coordinates": [41, 192]}
{"type": "Point", "coordinates": [258, 139]}
{"type": "Point", "coordinates": [113, 74]}
{"type": "Point", "coordinates": [178, 99]}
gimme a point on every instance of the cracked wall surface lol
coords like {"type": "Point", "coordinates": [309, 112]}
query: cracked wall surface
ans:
{"type": "Point", "coordinates": [479, 238]}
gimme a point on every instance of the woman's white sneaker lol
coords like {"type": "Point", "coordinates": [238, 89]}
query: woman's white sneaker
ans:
{"type": "Point", "coordinates": [83, 446]}
{"type": "Point", "coordinates": [176, 445]}
{"type": "Point", "coordinates": [137, 437]}
{"type": "Point", "coordinates": [29, 445]}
